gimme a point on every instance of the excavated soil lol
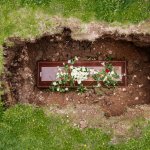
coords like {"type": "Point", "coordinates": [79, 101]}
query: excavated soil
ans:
{"type": "Point", "coordinates": [20, 72]}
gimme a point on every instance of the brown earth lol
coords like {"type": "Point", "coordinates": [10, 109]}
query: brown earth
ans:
{"type": "Point", "coordinates": [20, 72]}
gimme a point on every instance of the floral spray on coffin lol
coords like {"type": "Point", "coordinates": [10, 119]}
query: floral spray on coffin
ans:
{"type": "Point", "coordinates": [70, 76]}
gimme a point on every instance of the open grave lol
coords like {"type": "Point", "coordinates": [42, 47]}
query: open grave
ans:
{"type": "Point", "coordinates": [20, 72]}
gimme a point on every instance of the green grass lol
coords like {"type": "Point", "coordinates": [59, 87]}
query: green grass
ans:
{"type": "Point", "coordinates": [30, 18]}
{"type": "Point", "coordinates": [27, 127]}
{"type": "Point", "coordinates": [106, 10]}
{"type": "Point", "coordinates": [143, 143]}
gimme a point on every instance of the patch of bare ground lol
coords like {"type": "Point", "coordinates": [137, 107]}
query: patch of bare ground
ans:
{"type": "Point", "coordinates": [20, 72]}
{"type": "Point", "coordinates": [121, 127]}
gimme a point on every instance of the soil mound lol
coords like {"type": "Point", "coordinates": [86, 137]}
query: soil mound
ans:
{"type": "Point", "coordinates": [20, 72]}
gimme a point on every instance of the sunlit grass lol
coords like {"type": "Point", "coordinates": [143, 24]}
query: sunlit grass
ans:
{"type": "Point", "coordinates": [27, 127]}
{"type": "Point", "coordinates": [30, 18]}
{"type": "Point", "coordinates": [20, 17]}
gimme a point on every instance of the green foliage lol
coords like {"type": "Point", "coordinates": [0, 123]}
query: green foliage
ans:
{"type": "Point", "coordinates": [27, 127]}
{"type": "Point", "coordinates": [81, 88]}
{"type": "Point", "coordinates": [108, 75]}
{"type": "Point", "coordinates": [1, 110]}
{"type": "Point", "coordinates": [74, 76]}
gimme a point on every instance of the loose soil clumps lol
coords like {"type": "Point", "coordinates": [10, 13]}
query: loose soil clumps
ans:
{"type": "Point", "coordinates": [20, 72]}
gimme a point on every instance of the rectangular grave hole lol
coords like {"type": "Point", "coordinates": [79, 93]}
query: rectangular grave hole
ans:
{"type": "Point", "coordinates": [47, 72]}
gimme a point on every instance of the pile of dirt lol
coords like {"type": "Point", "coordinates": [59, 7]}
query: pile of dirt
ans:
{"type": "Point", "coordinates": [20, 72]}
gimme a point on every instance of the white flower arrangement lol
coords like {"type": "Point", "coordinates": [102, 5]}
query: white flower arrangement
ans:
{"type": "Point", "coordinates": [79, 74]}
{"type": "Point", "coordinates": [71, 75]}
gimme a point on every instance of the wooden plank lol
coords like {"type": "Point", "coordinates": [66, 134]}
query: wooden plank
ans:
{"type": "Point", "coordinates": [46, 71]}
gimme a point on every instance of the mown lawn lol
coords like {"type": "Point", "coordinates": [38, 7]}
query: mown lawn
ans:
{"type": "Point", "coordinates": [27, 127]}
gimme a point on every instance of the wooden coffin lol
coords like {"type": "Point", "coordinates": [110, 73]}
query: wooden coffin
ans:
{"type": "Point", "coordinates": [46, 71]}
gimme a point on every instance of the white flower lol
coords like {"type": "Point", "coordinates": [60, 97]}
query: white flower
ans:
{"type": "Point", "coordinates": [103, 63]}
{"type": "Point", "coordinates": [124, 74]}
{"type": "Point", "coordinates": [79, 74]}
{"type": "Point", "coordinates": [71, 67]}
{"type": "Point", "coordinates": [83, 69]}
{"type": "Point", "coordinates": [59, 69]}
{"type": "Point", "coordinates": [98, 85]}
{"type": "Point", "coordinates": [76, 58]}
{"type": "Point", "coordinates": [79, 81]}
{"type": "Point", "coordinates": [112, 73]}
{"type": "Point", "coordinates": [54, 83]}
{"type": "Point", "coordinates": [92, 71]}
{"type": "Point", "coordinates": [66, 89]}
{"type": "Point", "coordinates": [63, 63]}
{"type": "Point", "coordinates": [110, 52]}
{"type": "Point", "coordinates": [58, 89]}
{"type": "Point", "coordinates": [69, 61]}
{"type": "Point", "coordinates": [57, 75]}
